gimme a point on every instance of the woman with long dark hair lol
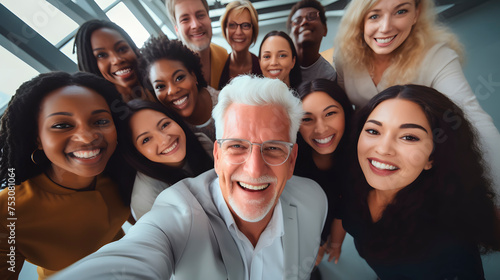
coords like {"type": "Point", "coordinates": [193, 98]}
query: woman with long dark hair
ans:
{"type": "Point", "coordinates": [423, 206]}
{"type": "Point", "coordinates": [278, 59]}
{"type": "Point", "coordinates": [322, 154]}
{"type": "Point", "coordinates": [103, 48]}
{"type": "Point", "coordinates": [160, 146]}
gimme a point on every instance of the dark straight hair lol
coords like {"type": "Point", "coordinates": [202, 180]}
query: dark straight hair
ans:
{"type": "Point", "coordinates": [295, 75]}
{"type": "Point", "coordinates": [197, 158]}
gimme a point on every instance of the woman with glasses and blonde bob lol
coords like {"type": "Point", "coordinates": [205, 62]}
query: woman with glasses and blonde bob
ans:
{"type": "Point", "coordinates": [240, 28]}
{"type": "Point", "coordinates": [381, 43]}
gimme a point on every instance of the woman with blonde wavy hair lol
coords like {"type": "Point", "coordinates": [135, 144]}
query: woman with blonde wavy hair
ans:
{"type": "Point", "coordinates": [381, 43]}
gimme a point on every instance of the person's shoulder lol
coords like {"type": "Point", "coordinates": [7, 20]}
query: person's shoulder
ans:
{"type": "Point", "coordinates": [216, 49]}
{"type": "Point", "coordinates": [304, 189]}
{"type": "Point", "coordinates": [187, 189]}
{"type": "Point", "coordinates": [440, 52]}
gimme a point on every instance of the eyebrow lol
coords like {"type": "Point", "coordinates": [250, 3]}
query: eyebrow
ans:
{"type": "Point", "coordinates": [71, 114]}
{"type": "Point", "coordinates": [116, 44]}
{"type": "Point", "coordinates": [173, 75]}
{"type": "Point", "coordinates": [395, 8]}
{"type": "Point", "coordinates": [405, 125]}
{"type": "Point", "coordinates": [334, 106]}
{"type": "Point", "coordinates": [157, 124]}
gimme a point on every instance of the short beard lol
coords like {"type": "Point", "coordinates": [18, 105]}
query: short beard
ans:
{"type": "Point", "coordinates": [260, 210]}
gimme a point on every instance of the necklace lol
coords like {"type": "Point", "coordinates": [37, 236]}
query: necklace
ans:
{"type": "Point", "coordinates": [91, 187]}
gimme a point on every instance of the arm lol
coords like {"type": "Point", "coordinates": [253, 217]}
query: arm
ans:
{"type": "Point", "coordinates": [450, 80]}
{"type": "Point", "coordinates": [150, 250]}
{"type": "Point", "coordinates": [144, 253]}
{"type": "Point", "coordinates": [335, 241]}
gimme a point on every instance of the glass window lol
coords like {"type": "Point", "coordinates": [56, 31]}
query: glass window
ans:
{"type": "Point", "coordinates": [67, 49]}
{"type": "Point", "coordinates": [122, 16]}
{"type": "Point", "coordinates": [43, 17]}
{"type": "Point", "coordinates": [17, 73]}
{"type": "Point", "coordinates": [104, 4]}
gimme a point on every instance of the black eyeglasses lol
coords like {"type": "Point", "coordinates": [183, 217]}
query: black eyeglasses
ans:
{"type": "Point", "coordinates": [244, 26]}
{"type": "Point", "coordinates": [311, 16]}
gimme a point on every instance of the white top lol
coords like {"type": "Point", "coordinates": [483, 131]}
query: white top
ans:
{"type": "Point", "coordinates": [146, 189]}
{"type": "Point", "coordinates": [319, 69]}
{"type": "Point", "coordinates": [144, 193]}
{"type": "Point", "coordinates": [442, 71]}
{"type": "Point", "coordinates": [266, 260]}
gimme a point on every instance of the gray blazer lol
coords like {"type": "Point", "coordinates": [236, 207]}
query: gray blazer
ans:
{"type": "Point", "coordinates": [184, 235]}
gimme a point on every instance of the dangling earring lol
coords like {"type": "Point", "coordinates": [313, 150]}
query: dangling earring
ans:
{"type": "Point", "coordinates": [33, 156]}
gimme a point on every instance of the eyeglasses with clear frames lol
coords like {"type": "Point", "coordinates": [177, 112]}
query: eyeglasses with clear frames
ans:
{"type": "Point", "coordinates": [311, 16]}
{"type": "Point", "coordinates": [237, 151]}
{"type": "Point", "coordinates": [244, 26]}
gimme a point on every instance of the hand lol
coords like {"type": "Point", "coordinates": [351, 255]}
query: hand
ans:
{"type": "Point", "coordinates": [334, 250]}
{"type": "Point", "coordinates": [321, 253]}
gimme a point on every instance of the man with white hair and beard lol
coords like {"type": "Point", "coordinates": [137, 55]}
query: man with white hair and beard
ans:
{"type": "Point", "coordinates": [249, 218]}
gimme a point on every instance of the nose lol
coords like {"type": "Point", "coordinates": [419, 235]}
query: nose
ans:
{"type": "Point", "coordinates": [385, 146]}
{"type": "Point", "coordinates": [274, 60]}
{"type": "Point", "coordinates": [255, 165]}
{"type": "Point", "coordinates": [386, 24]}
{"type": "Point", "coordinates": [171, 90]}
{"type": "Point", "coordinates": [86, 134]}
{"type": "Point", "coordinates": [115, 58]}
{"type": "Point", "coordinates": [195, 23]}
{"type": "Point", "coordinates": [320, 127]}
{"type": "Point", "coordinates": [239, 29]}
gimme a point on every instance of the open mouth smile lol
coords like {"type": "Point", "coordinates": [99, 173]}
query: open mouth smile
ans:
{"type": "Point", "coordinates": [249, 187]}
{"type": "Point", "coordinates": [171, 147]}
{"type": "Point", "coordinates": [383, 166]}
{"type": "Point", "coordinates": [385, 40]}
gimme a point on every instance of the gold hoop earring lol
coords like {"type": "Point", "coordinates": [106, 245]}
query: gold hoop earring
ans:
{"type": "Point", "coordinates": [33, 156]}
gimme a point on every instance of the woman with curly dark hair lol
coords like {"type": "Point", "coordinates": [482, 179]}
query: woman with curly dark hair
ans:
{"type": "Point", "coordinates": [174, 72]}
{"type": "Point", "coordinates": [160, 146]}
{"type": "Point", "coordinates": [278, 59]}
{"type": "Point", "coordinates": [66, 188]}
{"type": "Point", "coordinates": [423, 207]}
{"type": "Point", "coordinates": [106, 50]}
{"type": "Point", "coordinates": [323, 139]}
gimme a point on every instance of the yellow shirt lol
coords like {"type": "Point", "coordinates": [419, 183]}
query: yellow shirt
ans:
{"type": "Point", "coordinates": [55, 227]}
{"type": "Point", "coordinates": [218, 57]}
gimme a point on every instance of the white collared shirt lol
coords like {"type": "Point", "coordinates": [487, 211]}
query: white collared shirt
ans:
{"type": "Point", "coordinates": [266, 260]}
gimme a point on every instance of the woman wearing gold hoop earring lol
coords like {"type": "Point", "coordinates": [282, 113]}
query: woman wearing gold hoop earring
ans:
{"type": "Point", "coordinates": [33, 156]}
{"type": "Point", "coordinates": [71, 195]}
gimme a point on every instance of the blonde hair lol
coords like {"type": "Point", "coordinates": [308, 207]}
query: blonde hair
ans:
{"type": "Point", "coordinates": [239, 6]}
{"type": "Point", "coordinates": [170, 5]}
{"type": "Point", "coordinates": [352, 49]}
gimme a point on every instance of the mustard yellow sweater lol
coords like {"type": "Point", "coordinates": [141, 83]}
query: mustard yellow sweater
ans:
{"type": "Point", "coordinates": [54, 227]}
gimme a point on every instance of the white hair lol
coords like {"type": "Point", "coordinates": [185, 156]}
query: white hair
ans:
{"type": "Point", "coordinates": [256, 91]}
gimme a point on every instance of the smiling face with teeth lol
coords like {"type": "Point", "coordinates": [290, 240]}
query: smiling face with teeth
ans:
{"type": "Point", "coordinates": [323, 123]}
{"type": "Point", "coordinates": [158, 138]}
{"type": "Point", "coordinates": [193, 25]}
{"type": "Point", "coordinates": [388, 23]}
{"type": "Point", "coordinates": [395, 144]}
{"type": "Point", "coordinates": [116, 60]}
{"type": "Point", "coordinates": [276, 59]}
{"type": "Point", "coordinates": [77, 134]}
{"type": "Point", "coordinates": [175, 86]}
{"type": "Point", "coordinates": [239, 39]}
{"type": "Point", "coordinates": [252, 189]}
